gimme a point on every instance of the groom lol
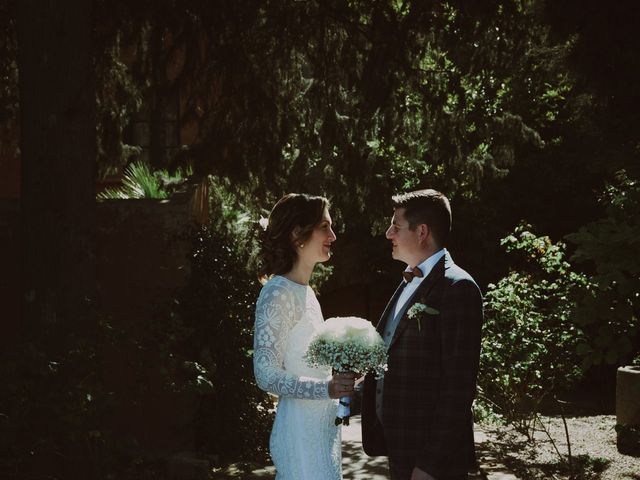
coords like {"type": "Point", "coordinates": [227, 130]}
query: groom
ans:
{"type": "Point", "coordinates": [419, 414]}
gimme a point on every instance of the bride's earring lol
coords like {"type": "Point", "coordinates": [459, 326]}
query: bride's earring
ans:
{"type": "Point", "coordinates": [301, 245]}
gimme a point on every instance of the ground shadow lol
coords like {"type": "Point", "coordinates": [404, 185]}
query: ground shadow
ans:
{"type": "Point", "coordinates": [358, 466]}
{"type": "Point", "coordinates": [502, 447]}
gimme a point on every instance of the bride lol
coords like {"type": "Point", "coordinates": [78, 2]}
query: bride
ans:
{"type": "Point", "coordinates": [305, 444]}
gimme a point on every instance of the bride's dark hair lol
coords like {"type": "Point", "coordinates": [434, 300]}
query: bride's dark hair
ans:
{"type": "Point", "coordinates": [278, 252]}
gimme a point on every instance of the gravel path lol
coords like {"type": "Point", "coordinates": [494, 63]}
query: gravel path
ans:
{"type": "Point", "coordinates": [355, 464]}
{"type": "Point", "coordinates": [504, 454]}
{"type": "Point", "coordinates": [593, 445]}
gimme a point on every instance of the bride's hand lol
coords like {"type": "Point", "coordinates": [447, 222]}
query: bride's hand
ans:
{"type": "Point", "coordinates": [341, 385]}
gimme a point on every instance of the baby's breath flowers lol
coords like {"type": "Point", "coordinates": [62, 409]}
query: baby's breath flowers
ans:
{"type": "Point", "coordinates": [417, 310]}
{"type": "Point", "coordinates": [348, 344]}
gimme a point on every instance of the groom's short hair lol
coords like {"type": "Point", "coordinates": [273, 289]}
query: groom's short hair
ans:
{"type": "Point", "coordinates": [429, 207]}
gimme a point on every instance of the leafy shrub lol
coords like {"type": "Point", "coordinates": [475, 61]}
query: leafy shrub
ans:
{"type": "Point", "coordinates": [609, 306]}
{"type": "Point", "coordinates": [55, 407]}
{"type": "Point", "coordinates": [529, 340]}
{"type": "Point", "coordinates": [234, 419]}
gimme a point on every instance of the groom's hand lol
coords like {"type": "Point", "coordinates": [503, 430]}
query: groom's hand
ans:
{"type": "Point", "coordinates": [341, 385]}
{"type": "Point", "coordinates": [418, 474]}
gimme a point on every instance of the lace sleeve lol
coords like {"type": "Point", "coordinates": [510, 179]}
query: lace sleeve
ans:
{"type": "Point", "coordinates": [276, 314]}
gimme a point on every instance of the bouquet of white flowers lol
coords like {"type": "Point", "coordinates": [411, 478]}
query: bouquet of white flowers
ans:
{"type": "Point", "coordinates": [348, 344]}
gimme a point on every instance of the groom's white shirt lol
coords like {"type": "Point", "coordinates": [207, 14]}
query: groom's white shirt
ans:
{"type": "Point", "coordinates": [411, 287]}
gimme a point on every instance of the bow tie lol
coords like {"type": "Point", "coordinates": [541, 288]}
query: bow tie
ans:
{"type": "Point", "coordinates": [416, 272]}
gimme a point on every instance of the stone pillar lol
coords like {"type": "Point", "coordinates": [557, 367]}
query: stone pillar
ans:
{"type": "Point", "coordinates": [628, 410]}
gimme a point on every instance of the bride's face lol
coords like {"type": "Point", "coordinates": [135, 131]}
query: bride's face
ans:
{"type": "Point", "coordinates": [318, 247]}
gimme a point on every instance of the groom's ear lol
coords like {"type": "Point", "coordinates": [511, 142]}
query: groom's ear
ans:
{"type": "Point", "coordinates": [423, 232]}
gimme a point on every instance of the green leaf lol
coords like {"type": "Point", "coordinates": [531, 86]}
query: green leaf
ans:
{"type": "Point", "coordinates": [583, 349]}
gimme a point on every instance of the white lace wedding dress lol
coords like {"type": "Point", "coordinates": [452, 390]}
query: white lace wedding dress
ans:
{"type": "Point", "coordinates": [305, 443]}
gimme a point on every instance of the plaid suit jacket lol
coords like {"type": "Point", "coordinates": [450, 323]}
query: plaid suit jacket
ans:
{"type": "Point", "coordinates": [431, 381]}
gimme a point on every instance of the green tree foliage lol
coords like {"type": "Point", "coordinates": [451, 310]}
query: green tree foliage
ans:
{"type": "Point", "coordinates": [590, 140]}
{"type": "Point", "coordinates": [352, 98]}
{"type": "Point", "coordinates": [605, 73]}
{"type": "Point", "coordinates": [489, 102]}
{"type": "Point", "coordinates": [581, 93]}
{"type": "Point", "coordinates": [356, 100]}
{"type": "Point", "coordinates": [529, 346]}
{"type": "Point", "coordinates": [609, 309]}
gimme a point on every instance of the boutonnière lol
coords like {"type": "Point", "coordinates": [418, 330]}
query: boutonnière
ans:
{"type": "Point", "coordinates": [417, 310]}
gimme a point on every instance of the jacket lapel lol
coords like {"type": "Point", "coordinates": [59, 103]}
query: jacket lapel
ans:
{"type": "Point", "coordinates": [385, 315]}
{"type": "Point", "coordinates": [421, 292]}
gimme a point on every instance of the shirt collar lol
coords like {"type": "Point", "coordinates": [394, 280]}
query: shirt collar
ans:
{"type": "Point", "coordinates": [427, 265]}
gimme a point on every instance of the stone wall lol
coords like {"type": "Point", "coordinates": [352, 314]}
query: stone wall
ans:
{"type": "Point", "coordinates": [142, 252]}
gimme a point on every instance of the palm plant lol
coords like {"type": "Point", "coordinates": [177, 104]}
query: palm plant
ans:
{"type": "Point", "coordinates": [140, 182]}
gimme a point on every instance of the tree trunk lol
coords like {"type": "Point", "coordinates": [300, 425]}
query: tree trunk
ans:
{"type": "Point", "coordinates": [58, 150]}
{"type": "Point", "coordinates": [57, 109]}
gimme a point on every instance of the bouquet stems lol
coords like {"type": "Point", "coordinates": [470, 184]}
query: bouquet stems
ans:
{"type": "Point", "coordinates": [344, 411]}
